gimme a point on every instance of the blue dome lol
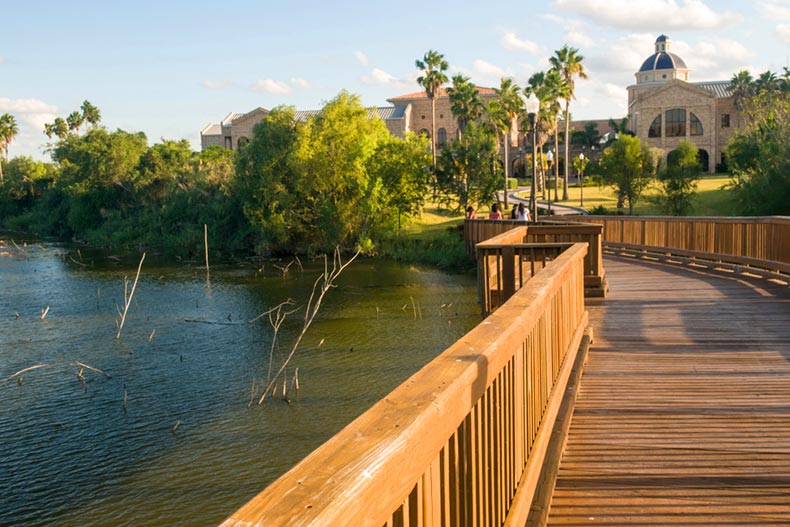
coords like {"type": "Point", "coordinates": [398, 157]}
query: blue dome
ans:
{"type": "Point", "coordinates": [662, 61]}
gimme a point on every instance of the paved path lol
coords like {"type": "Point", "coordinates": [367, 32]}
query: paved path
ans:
{"type": "Point", "coordinates": [683, 415]}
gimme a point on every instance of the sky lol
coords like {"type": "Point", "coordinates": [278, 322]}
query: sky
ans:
{"type": "Point", "coordinates": [170, 67]}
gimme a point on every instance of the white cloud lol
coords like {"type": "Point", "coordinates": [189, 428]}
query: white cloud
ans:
{"type": "Point", "coordinates": [783, 33]}
{"type": "Point", "coordinates": [216, 85]}
{"type": "Point", "coordinates": [31, 115]}
{"type": "Point", "coordinates": [489, 70]}
{"type": "Point", "coordinates": [778, 10]}
{"type": "Point", "coordinates": [512, 43]}
{"type": "Point", "coordinates": [650, 15]}
{"type": "Point", "coordinates": [714, 59]}
{"type": "Point", "coordinates": [577, 38]}
{"type": "Point", "coordinates": [362, 58]}
{"type": "Point", "coordinates": [299, 83]}
{"type": "Point", "coordinates": [379, 77]}
{"type": "Point", "coordinates": [272, 86]}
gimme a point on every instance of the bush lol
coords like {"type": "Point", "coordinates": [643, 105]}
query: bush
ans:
{"type": "Point", "coordinates": [512, 183]}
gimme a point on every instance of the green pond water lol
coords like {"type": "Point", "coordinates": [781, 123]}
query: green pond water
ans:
{"type": "Point", "coordinates": [69, 453]}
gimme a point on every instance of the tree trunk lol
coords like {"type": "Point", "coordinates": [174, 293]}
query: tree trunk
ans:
{"type": "Point", "coordinates": [567, 146]}
{"type": "Point", "coordinates": [507, 164]}
{"type": "Point", "coordinates": [556, 159]}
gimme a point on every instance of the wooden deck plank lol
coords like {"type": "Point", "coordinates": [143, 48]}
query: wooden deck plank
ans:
{"type": "Point", "coordinates": [683, 415]}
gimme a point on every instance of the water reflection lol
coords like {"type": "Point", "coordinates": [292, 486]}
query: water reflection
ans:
{"type": "Point", "coordinates": [69, 455]}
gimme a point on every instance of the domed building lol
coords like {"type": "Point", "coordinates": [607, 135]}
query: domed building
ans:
{"type": "Point", "coordinates": [664, 108]}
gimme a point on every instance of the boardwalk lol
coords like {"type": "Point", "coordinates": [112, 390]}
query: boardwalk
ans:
{"type": "Point", "coordinates": [683, 416]}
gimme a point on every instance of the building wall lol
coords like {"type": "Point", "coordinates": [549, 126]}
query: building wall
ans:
{"type": "Point", "coordinates": [646, 102]}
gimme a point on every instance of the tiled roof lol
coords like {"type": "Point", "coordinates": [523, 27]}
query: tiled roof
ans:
{"type": "Point", "coordinates": [230, 118]}
{"type": "Point", "coordinates": [385, 113]}
{"type": "Point", "coordinates": [719, 88]}
{"type": "Point", "coordinates": [441, 93]}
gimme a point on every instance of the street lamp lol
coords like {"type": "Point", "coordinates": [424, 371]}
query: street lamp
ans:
{"type": "Point", "coordinates": [550, 159]}
{"type": "Point", "coordinates": [533, 105]}
{"type": "Point", "coordinates": [581, 166]}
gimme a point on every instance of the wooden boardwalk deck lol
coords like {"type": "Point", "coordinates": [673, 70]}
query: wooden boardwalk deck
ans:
{"type": "Point", "coordinates": [683, 415]}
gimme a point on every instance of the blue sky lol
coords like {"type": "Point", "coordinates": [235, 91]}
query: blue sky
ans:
{"type": "Point", "coordinates": [168, 68]}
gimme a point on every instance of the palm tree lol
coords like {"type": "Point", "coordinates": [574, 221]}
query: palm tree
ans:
{"type": "Point", "coordinates": [60, 128]}
{"type": "Point", "coordinates": [465, 102]}
{"type": "Point", "coordinates": [90, 113]}
{"type": "Point", "coordinates": [742, 86]}
{"type": "Point", "coordinates": [8, 130]}
{"type": "Point", "coordinates": [500, 122]}
{"type": "Point", "coordinates": [433, 66]}
{"type": "Point", "coordinates": [557, 89]}
{"type": "Point", "coordinates": [545, 120]}
{"type": "Point", "coordinates": [766, 82]}
{"type": "Point", "coordinates": [511, 105]}
{"type": "Point", "coordinates": [75, 120]}
{"type": "Point", "coordinates": [568, 63]}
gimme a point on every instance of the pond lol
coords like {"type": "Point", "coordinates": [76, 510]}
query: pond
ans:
{"type": "Point", "coordinates": [169, 438]}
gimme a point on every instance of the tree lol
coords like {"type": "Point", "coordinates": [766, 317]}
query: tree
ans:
{"type": "Point", "coordinates": [464, 169]}
{"type": "Point", "coordinates": [90, 113]}
{"type": "Point", "coordinates": [767, 81]}
{"type": "Point", "coordinates": [267, 181]}
{"type": "Point", "coordinates": [342, 201]}
{"type": "Point", "coordinates": [74, 121]}
{"type": "Point", "coordinates": [568, 63]}
{"type": "Point", "coordinates": [742, 86]}
{"type": "Point", "coordinates": [757, 155]}
{"type": "Point", "coordinates": [627, 165]}
{"type": "Point", "coordinates": [401, 167]}
{"type": "Point", "coordinates": [8, 130]}
{"type": "Point", "coordinates": [59, 128]}
{"type": "Point", "coordinates": [465, 102]}
{"type": "Point", "coordinates": [511, 106]}
{"type": "Point", "coordinates": [679, 179]}
{"type": "Point", "coordinates": [545, 121]}
{"type": "Point", "coordinates": [25, 182]}
{"type": "Point", "coordinates": [433, 66]}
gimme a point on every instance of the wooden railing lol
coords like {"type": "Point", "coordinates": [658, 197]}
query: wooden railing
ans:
{"type": "Point", "coordinates": [462, 441]}
{"type": "Point", "coordinates": [761, 243]}
{"type": "Point", "coordinates": [554, 232]}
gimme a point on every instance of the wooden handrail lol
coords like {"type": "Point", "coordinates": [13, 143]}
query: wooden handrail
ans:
{"type": "Point", "coordinates": [762, 242]}
{"type": "Point", "coordinates": [513, 231]}
{"type": "Point", "coordinates": [459, 443]}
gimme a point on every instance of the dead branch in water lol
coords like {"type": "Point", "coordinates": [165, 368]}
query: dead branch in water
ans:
{"type": "Point", "coordinates": [91, 368]}
{"type": "Point", "coordinates": [129, 300]}
{"type": "Point", "coordinates": [44, 313]}
{"type": "Point", "coordinates": [23, 370]}
{"type": "Point", "coordinates": [205, 243]}
{"type": "Point", "coordinates": [322, 284]}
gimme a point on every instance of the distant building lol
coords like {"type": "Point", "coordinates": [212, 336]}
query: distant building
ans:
{"type": "Point", "coordinates": [665, 108]}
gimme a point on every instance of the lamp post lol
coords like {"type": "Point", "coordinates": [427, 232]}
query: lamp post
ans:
{"type": "Point", "coordinates": [550, 159]}
{"type": "Point", "coordinates": [533, 104]}
{"type": "Point", "coordinates": [580, 167]}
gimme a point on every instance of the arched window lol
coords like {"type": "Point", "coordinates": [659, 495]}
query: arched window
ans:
{"type": "Point", "coordinates": [695, 126]}
{"type": "Point", "coordinates": [243, 142]}
{"type": "Point", "coordinates": [425, 132]}
{"type": "Point", "coordinates": [655, 127]}
{"type": "Point", "coordinates": [441, 134]}
{"type": "Point", "coordinates": [676, 123]}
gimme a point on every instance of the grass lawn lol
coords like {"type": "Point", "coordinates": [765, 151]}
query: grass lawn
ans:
{"type": "Point", "coordinates": [712, 198]}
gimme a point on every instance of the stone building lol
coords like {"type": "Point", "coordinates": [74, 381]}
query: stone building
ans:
{"type": "Point", "coordinates": [665, 108]}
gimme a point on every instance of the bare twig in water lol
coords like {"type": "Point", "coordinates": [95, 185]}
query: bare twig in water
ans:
{"type": "Point", "coordinates": [252, 393]}
{"type": "Point", "coordinates": [129, 300]}
{"type": "Point", "coordinates": [44, 312]}
{"type": "Point", "coordinates": [299, 263]}
{"type": "Point", "coordinates": [413, 307]}
{"type": "Point", "coordinates": [175, 427]}
{"type": "Point", "coordinates": [23, 370]}
{"type": "Point", "coordinates": [205, 243]}
{"type": "Point", "coordinates": [91, 368]}
{"type": "Point", "coordinates": [151, 336]}
{"type": "Point", "coordinates": [322, 284]}
{"type": "Point", "coordinates": [124, 398]}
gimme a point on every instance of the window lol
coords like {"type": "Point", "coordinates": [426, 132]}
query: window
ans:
{"type": "Point", "coordinates": [676, 123]}
{"type": "Point", "coordinates": [694, 124]}
{"type": "Point", "coordinates": [441, 134]}
{"type": "Point", "coordinates": [655, 127]}
{"type": "Point", "coordinates": [243, 142]}
{"type": "Point", "coordinates": [725, 120]}
{"type": "Point", "coordinates": [425, 132]}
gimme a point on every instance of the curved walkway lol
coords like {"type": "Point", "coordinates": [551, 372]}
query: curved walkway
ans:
{"type": "Point", "coordinates": [683, 414]}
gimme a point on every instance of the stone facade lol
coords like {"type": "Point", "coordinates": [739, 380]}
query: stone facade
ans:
{"type": "Point", "coordinates": [664, 109]}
